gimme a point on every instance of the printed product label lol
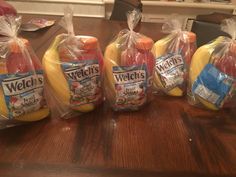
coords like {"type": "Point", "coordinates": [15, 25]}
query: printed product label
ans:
{"type": "Point", "coordinates": [23, 92]}
{"type": "Point", "coordinates": [131, 86]}
{"type": "Point", "coordinates": [170, 69]}
{"type": "Point", "coordinates": [213, 85]}
{"type": "Point", "coordinates": [84, 81]}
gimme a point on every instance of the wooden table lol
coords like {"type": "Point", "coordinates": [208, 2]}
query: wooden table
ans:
{"type": "Point", "coordinates": [166, 138]}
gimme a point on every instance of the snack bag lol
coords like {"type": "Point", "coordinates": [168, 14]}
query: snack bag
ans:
{"type": "Point", "coordinates": [173, 55]}
{"type": "Point", "coordinates": [212, 75]}
{"type": "Point", "coordinates": [21, 78]}
{"type": "Point", "coordinates": [129, 66]}
{"type": "Point", "coordinates": [73, 67]}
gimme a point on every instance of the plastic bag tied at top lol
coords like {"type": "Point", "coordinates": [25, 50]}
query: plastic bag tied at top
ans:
{"type": "Point", "coordinates": [129, 67]}
{"type": "Point", "coordinates": [74, 67]}
{"type": "Point", "coordinates": [213, 71]}
{"type": "Point", "coordinates": [21, 77]}
{"type": "Point", "coordinates": [173, 55]}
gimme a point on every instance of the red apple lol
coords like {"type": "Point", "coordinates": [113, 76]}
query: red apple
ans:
{"type": "Point", "coordinates": [88, 50]}
{"type": "Point", "coordinates": [17, 62]}
{"type": "Point", "coordinates": [139, 55]}
{"type": "Point", "coordinates": [227, 64]}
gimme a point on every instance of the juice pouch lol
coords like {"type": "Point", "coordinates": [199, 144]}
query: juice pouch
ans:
{"type": "Point", "coordinates": [173, 55]}
{"type": "Point", "coordinates": [212, 75]}
{"type": "Point", "coordinates": [21, 78]}
{"type": "Point", "coordinates": [129, 66]}
{"type": "Point", "coordinates": [74, 67]}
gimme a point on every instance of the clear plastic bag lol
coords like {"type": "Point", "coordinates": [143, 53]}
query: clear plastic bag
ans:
{"type": "Point", "coordinates": [173, 55]}
{"type": "Point", "coordinates": [21, 78]}
{"type": "Point", "coordinates": [212, 75]}
{"type": "Point", "coordinates": [129, 66]}
{"type": "Point", "coordinates": [74, 67]}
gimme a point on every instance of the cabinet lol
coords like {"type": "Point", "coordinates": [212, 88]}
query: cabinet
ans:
{"type": "Point", "coordinates": [153, 10]}
{"type": "Point", "coordinates": [157, 11]}
{"type": "Point", "coordinates": [87, 8]}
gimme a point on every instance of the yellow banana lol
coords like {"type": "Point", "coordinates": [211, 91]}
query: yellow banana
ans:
{"type": "Point", "coordinates": [199, 60]}
{"type": "Point", "coordinates": [159, 49]}
{"type": "Point", "coordinates": [57, 81]}
{"type": "Point", "coordinates": [111, 58]}
{"type": "Point", "coordinates": [3, 106]}
{"type": "Point", "coordinates": [29, 117]}
{"type": "Point", "coordinates": [34, 116]}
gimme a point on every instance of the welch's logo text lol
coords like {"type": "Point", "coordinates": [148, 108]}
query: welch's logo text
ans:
{"type": "Point", "coordinates": [129, 76]}
{"type": "Point", "coordinates": [81, 73]}
{"type": "Point", "coordinates": [19, 85]}
{"type": "Point", "coordinates": [168, 62]}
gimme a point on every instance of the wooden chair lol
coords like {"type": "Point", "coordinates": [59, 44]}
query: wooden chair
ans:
{"type": "Point", "coordinates": [121, 7]}
{"type": "Point", "coordinates": [207, 27]}
{"type": "Point", "coordinates": [206, 32]}
{"type": "Point", "coordinates": [215, 17]}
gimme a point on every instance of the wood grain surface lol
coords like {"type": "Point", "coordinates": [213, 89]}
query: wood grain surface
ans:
{"type": "Point", "coordinates": [167, 138]}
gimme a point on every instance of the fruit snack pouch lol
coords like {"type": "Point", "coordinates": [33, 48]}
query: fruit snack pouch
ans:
{"type": "Point", "coordinates": [73, 66]}
{"type": "Point", "coordinates": [21, 78]}
{"type": "Point", "coordinates": [129, 65]}
{"type": "Point", "coordinates": [212, 75]}
{"type": "Point", "coordinates": [173, 55]}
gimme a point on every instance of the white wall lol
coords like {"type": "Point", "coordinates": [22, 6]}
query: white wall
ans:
{"type": "Point", "coordinates": [90, 8]}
